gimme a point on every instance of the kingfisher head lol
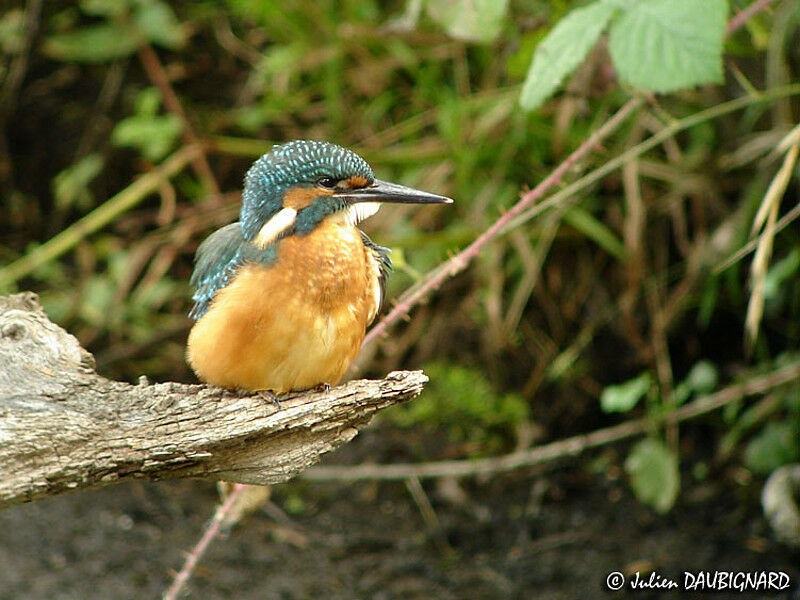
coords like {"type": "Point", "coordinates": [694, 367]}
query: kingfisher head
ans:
{"type": "Point", "coordinates": [299, 184]}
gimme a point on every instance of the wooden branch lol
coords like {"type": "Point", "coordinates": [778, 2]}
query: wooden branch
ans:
{"type": "Point", "coordinates": [63, 427]}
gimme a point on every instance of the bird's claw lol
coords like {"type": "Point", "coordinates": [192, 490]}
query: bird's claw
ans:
{"type": "Point", "coordinates": [269, 396]}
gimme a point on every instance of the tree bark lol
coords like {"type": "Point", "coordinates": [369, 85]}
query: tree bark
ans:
{"type": "Point", "coordinates": [63, 427]}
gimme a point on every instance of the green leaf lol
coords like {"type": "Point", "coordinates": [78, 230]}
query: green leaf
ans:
{"type": "Point", "coordinates": [681, 393]}
{"type": "Point", "coordinates": [518, 62]}
{"type": "Point", "coordinates": [561, 51]}
{"type": "Point", "coordinates": [593, 229]}
{"type": "Point", "coordinates": [70, 186]}
{"type": "Point", "coordinates": [665, 45]}
{"type": "Point", "coordinates": [151, 20]}
{"type": "Point", "coordinates": [12, 31]}
{"type": "Point", "coordinates": [147, 102]}
{"type": "Point", "coordinates": [106, 8]}
{"type": "Point", "coordinates": [158, 24]}
{"type": "Point", "coordinates": [96, 43]}
{"type": "Point", "coordinates": [623, 397]}
{"type": "Point", "coordinates": [471, 20]}
{"type": "Point", "coordinates": [703, 377]}
{"type": "Point", "coordinates": [654, 474]}
{"type": "Point", "coordinates": [778, 444]}
{"type": "Point", "coordinates": [154, 135]}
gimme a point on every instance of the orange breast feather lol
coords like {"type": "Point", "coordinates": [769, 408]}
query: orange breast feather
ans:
{"type": "Point", "coordinates": [293, 325]}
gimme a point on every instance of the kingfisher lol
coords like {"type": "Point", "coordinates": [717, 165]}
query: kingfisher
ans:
{"type": "Point", "coordinates": [283, 297]}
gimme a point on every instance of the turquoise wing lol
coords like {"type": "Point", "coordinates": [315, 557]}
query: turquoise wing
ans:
{"type": "Point", "coordinates": [217, 260]}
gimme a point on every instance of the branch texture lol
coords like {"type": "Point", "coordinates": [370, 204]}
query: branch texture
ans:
{"type": "Point", "coordinates": [63, 427]}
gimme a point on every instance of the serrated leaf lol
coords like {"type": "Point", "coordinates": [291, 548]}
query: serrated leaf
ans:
{"type": "Point", "coordinates": [665, 45]}
{"type": "Point", "coordinates": [471, 20]}
{"type": "Point", "coordinates": [562, 50]}
{"type": "Point", "coordinates": [95, 43]}
{"type": "Point", "coordinates": [623, 397]}
{"type": "Point", "coordinates": [654, 475]}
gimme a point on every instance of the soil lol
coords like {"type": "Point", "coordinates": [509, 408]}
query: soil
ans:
{"type": "Point", "coordinates": [536, 534]}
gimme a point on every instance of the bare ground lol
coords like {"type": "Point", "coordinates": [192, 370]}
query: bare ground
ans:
{"type": "Point", "coordinates": [554, 534]}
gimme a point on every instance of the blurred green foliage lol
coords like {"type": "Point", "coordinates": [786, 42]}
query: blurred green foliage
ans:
{"type": "Point", "coordinates": [127, 23]}
{"type": "Point", "coordinates": [654, 474]}
{"type": "Point", "coordinates": [152, 134]}
{"type": "Point", "coordinates": [651, 465]}
{"type": "Point", "coordinates": [625, 396]}
{"type": "Point", "coordinates": [625, 293]}
{"type": "Point", "coordinates": [777, 444]}
{"type": "Point", "coordinates": [461, 402]}
{"type": "Point", "coordinates": [71, 186]}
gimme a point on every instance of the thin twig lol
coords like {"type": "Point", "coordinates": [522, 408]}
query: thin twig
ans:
{"type": "Point", "coordinates": [158, 76]}
{"type": "Point", "coordinates": [460, 261]}
{"type": "Point", "coordinates": [434, 279]}
{"type": "Point", "coordinates": [525, 209]}
{"type": "Point", "coordinates": [99, 217]}
{"type": "Point", "coordinates": [742, 17]}
{"type": "Point", "coordinates": [428, 514]}
{"type": "Point", "coordinates": [782, 223]}
{"type": "Point", "coordinates": [199, 549]}
{"type": "Point", "coordinates": [562, 448]}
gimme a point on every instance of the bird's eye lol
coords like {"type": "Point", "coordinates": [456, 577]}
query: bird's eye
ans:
{"type": "Point", "coordinates": [327, 182]}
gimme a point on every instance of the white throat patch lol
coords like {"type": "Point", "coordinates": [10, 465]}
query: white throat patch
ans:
{"type": "Point", "coordinates": [279, 223]}
{"type": "Point", "coordinates": [356, 213]}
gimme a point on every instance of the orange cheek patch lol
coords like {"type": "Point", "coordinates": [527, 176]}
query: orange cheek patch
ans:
{"type": "Point", "coordinates": [356, 181]}
{"type": "Point", "coordinates": [298, 198]}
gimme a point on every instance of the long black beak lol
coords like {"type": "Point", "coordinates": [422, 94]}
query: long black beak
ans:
{"type": "Point", "coordinates": [383, 191]}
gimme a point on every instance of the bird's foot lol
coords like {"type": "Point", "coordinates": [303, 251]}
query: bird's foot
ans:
{"type": "Point", "coordinates": [269, 396]}
{"type": "Point", "coordinates": [322, 387]}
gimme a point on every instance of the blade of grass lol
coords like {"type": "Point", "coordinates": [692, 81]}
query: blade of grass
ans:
{"type": "Point", "coordinates": [593, 229]}
{"type": "Point", "coordinates": [101, 216]}
{"type": "Point", "coordinates": [669, 131]}
{"type": "Point", "coordinates": [460, 261]}
{"type": "Point", "coordinates": [523, 211]}
{"type": "Point", "coordinates": [784, 222]}
{"type": "Point", "coordinates": [758, 269]}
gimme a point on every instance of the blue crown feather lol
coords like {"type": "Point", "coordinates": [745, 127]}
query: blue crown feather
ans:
{"type": "Point", "coordinates": [302, 162]}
